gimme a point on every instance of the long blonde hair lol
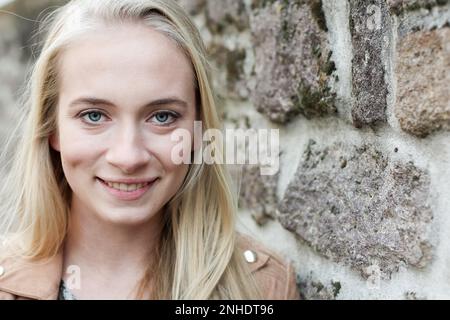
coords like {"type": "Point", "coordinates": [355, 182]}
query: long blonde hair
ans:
{"type": "Point", "coordinates": [198, 255]}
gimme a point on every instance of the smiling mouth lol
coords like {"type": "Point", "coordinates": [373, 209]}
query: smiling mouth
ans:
{"type": "Point", "coordinates": [126, 187]}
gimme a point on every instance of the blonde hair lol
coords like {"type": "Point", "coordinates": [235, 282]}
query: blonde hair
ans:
{"type": "Point", "coordinates": [199, 256]}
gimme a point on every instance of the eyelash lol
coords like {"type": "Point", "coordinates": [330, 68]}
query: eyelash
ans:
{"type": "Point", "coordinates": [172, 114]}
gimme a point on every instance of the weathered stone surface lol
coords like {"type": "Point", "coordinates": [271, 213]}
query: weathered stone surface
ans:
{"type": "Point", "coordinates": [11, 75]}
{"type": "Point", "coordinates": [16, 47]}
{"type": "Point", "coordinates": [32, 10]}
{"type": "Point", "coordinates": [423, 78]}
{"type": "Point", "coordinates": [355, 206]}
{"type": "Point", "coordinates": [398, 6]}
{"type": "Point", "coordinates": [292, 60]}
{"type": "Point", "coordinates": [370, 26]}
{"type": "Point", "coordinates": [226, 12]}
{"type": "Point", "coordinates": [258, 193]}
{"type": "Point", "coordinates": [231, 82]}
{"type": "Point", "coordinates": [311, 289]}
{"type": "Point", "coordinates": [192, 6]}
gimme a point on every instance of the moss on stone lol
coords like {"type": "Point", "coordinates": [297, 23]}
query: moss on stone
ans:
{"type": "Point", "coordinates": [262, 3]}
{"type": "Point", "coordinates": [312, 102]}
{"type": "Point", "coordinates": [234, 63]}
{"type": "Point", "coordinates": [336, 288]}
{"type": "Point", "coordinates": [318, 285]}
{"type": "Point", "coordinates": [329, 66]}
{"type": "Point", "coordinates": [318, 14]}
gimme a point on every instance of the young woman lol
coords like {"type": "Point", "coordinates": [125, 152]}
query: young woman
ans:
{"type": "Point", "coordinates": [94, 207]}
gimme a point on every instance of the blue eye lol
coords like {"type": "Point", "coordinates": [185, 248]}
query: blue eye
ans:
{"type": "Point", "coordinates": [92, 116]}
{"type": "Point", "coordinates": [164, 118]}
{"type": "Point", "coordinates": [161, 118]}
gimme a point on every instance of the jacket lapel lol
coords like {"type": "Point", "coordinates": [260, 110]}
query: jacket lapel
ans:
{"type": "Point", "coordinates": [31, 279]}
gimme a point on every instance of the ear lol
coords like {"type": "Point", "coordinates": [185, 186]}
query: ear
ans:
{"type": "Point", "coordinates": [53, 140]}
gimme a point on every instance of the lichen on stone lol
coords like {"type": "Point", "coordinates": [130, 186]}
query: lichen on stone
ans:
{"type": "Point", "coordinates": [293, 60]}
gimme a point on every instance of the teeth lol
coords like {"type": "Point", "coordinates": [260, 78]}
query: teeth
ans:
{"type": "Point", "coordinates": [125, 186]}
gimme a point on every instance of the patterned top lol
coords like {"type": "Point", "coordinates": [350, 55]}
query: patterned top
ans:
{"type": "Point", "coordinates": [64, 293]}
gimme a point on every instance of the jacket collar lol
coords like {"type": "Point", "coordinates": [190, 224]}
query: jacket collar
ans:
{"type": "Point", "coordinates": [32, 279]}
{"type": "Point", "coordinates": [41, 279]}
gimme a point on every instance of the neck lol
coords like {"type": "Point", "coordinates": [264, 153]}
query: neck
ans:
{"type": "Point", "coordinates": [109, 256]}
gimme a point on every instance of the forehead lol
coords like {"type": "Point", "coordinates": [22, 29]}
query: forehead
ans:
{"type": "Point", "coordinates": [125, 59]}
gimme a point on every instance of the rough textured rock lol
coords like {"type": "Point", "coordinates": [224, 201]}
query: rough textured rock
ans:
{"type": "Point", "coordinates": [398, 6]}
{"type": "Point", "coordinates": [258, 193]}
{"type": "Point", "coordinates": [227, 25]}
{"type": "Point", "coordinates": [292, 60]}
{"type": "Point", "coordinates": [232, 81]}
{"type": "Point", "coordinates": [353, 205]}
{"type": "Point", "coordinates": [423, 94]}
{"type": "Point", "coordinates": [369, 27]}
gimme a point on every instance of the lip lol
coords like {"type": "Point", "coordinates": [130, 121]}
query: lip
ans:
{"type": "Point", "coordinates": [125, 195]}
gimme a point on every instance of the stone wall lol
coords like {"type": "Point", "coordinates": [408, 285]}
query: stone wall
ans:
{"type": "Point", "coordinates": [359, 92]}
{"type": "Point", "coordinates": [18, 21]}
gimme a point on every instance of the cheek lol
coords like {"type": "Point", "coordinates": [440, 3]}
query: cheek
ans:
{"type": "Point", "coordinates": [76, 150]}
{"type": "Point", "coordinates": [164, 148]}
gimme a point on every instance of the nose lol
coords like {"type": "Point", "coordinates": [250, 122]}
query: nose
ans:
{"type": "Point", "coordinates": [127, 151]}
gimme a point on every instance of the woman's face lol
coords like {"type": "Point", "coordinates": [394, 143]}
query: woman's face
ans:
{"type": "Point", "coordinates": [123, 91]}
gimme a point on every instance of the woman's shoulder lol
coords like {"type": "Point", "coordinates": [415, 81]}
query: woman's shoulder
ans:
{"type": "Point", "coordinates": [24, 278]}
{"type": "Point", "coordinates": [275, 275]}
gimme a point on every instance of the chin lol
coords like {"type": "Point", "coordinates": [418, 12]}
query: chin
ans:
{"type": "Point", "coordinates": [128, 217]}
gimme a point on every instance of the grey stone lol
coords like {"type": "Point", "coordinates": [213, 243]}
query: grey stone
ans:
{"type": "Point", "coordinates": [423, 95]}
{"type": "Point", "coordinates": [231, 82]}
{"type": "Point", "coordinates": [258, 193]}
{"type": "Point", "coordinates": [370, 28]}
{"type": "Point", "coordinates": [221, 14]}
{"type": "Point", "coordinates": [292, 60]}
{"type": "Point", "coordinates": [17, 48]}
{"type": "Point", "coordinates": [355, 206]}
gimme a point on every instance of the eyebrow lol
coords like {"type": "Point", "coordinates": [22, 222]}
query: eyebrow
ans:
{"type": "Point", "coordinates": [155, 103]}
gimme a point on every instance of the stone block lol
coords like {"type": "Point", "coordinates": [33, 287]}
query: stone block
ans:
{"type": "Point", "coordinates": [355, 206]}
{"type": "Point", "coordinates": [292, 60]}
{"type": "Point", "coordinates": [370, 28]}
{"type": "Point", "coordinates": [258, 193]}
{"type": "Point", "coordinates": [423, 77]}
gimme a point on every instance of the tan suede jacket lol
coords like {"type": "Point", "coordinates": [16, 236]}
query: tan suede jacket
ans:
{"type": "Point", "coordinates": [23, 280]}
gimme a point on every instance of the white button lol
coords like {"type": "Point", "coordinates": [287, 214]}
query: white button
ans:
{"type": "Point", "coordinates": [2, 271]}
{"type": "Point", "coordinates": [250, 256]}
